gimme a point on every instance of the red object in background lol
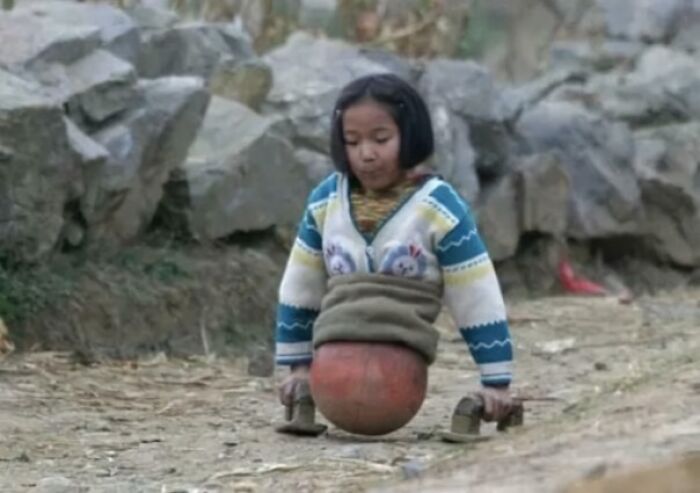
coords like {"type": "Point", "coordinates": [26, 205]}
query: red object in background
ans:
{"type": "Point", "coordinates": [368, 388]}
{"type": "Point", "coordinates": [577, 285]}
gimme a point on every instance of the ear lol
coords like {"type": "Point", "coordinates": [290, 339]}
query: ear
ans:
{"type": "Point", "coordinates": [414, 250]}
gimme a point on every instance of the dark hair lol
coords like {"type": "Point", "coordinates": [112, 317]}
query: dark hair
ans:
{"type": "Point", "coordinates": [404, 104]}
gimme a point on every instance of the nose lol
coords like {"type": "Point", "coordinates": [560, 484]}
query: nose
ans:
{"type": "Point", "coordinates": [367, 151]}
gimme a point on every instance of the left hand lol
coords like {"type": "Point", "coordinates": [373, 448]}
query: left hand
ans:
{"type": "Point", "coordinates": [498, 402]}
{"type": "Point", "coordinates": [288, 387]}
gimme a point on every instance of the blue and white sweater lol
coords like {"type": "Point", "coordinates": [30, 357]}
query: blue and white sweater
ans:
{"type": "Point", "coordinates": [431, 236]}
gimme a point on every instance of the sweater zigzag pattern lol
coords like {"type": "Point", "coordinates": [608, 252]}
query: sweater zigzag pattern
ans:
{"type": "Point", "coordinates": [432, 236]}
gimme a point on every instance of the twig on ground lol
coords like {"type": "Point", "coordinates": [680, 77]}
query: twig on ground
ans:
{"type": "Point", "coordinates": [167, 407]}
{"type": "Point", "coordinates": [254, 472]}
{"type": "Point", "coordinates": [197, 382]}
{"type": "Point", "coordinates": [203, 331]}
{"type": "Point", "coordinates": [367, 464]}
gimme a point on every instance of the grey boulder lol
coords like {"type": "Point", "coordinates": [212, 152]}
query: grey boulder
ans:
{"type": "Point", "coordinates": [668, 166]}
{"type": "Point", "coordinates": [308, 74]}
{"type": "Point", "coordinates": [144, 147]}
{"type": "Point", "coordinates": [117, 32]}
{"type": "Point", "coordinates": [240, 175]}
{"type": "Point", "coordinates": [597, 154]}
{"type": "Point", "coordinates": [37, 167]}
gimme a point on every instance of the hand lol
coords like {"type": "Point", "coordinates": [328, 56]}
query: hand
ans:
{"type": "Point", "coordinates": [287, 389]}
{"type": "Point", "coordinates": [498, 403]}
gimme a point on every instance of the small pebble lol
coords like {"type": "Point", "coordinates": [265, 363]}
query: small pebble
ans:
{"type": "Point", "coordinates": [351, 452]}
{"type": "Point", "coordinates": [597, 471]}
{"type": "Point", "coordinates": [23, 457]}
{"type": "Point", "coordinates": [412, 469]}
{"type": "Point", "coordinates": [244, 487]}
{"type": "Point", "coordinates": [56, 484]}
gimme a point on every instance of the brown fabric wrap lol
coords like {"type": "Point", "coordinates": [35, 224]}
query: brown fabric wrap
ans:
{"type": "Point", "coordinates": [380, 308]}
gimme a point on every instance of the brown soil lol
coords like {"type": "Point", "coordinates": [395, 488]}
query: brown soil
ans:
{"type": "Point", "coordinates": [625, 379]}
{"type": "Point", "coordinates": [146, 299]}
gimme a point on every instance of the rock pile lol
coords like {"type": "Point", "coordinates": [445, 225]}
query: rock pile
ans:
{"type": "Point", "coordinates": [108, 116]}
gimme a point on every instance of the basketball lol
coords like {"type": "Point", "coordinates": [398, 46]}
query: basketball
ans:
{"type": "Point", "coordinates": [368, 388]}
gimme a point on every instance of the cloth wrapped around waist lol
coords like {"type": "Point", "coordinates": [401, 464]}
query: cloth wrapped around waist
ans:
{"type": "Point", "coordinates": [380, 308]}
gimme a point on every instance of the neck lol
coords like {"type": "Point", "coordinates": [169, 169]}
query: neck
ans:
{"type": "Point", "coordinates": [398, 183]}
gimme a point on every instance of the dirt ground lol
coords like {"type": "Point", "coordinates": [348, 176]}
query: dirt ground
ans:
{"type": "Point", "coordinates": [624, 380]}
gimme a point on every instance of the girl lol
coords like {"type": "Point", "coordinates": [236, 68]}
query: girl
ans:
{"type": "Point", "coordinates": [380, 215]}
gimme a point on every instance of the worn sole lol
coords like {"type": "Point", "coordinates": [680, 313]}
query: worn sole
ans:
{"type": "Point", "coordinates": [301, 429]}
{"type": "Point", "coordinates": [450, 437]}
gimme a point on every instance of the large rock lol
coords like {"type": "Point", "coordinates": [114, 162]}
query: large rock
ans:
{"type": "Point", "coordinates": [144, 148]}
{"type": "Point", "coordinates": [688, 38]}
{"type": "Point", "coordinates": [308, 74]}
{"type": "Point", "coordinates": [64, 57]}
{"type": "Point", "coordinates": [516, 99]}
{"type": "Point", "coordinates": [195, 48]}
{"type": "Point", "coordinates": [102, 85]}
{"type": "Point", "coordinates": [499, 219]}
{"type": "Point", "coordinates": [544, 191]}
{"type": "Point", "coordinates": [152, 17]}
{"type": "Point", "coordinates": [88, 151]}
{"type": "Point", "coordinates": [644, 20]}
{"type": "Point", "coordinates": [94, 88]}
{"type": "Point", "coordinates": [668, 165]}
{"type": "Point", "coordinates": [247, 81]}
{"type": "Point", "coordinates": [406, 68]}
{"type": "Point", "coordinates": [317, 165]}
{"type": "Point", "coordinates": [89, 155]}
{"type": "Point", "coordinates": [454, 154]}
{"type": "Point", "coordinates": [532, 198]}
{"type": "Point", "coordinates": [29, 40]}
{"type": "Point", "coordinates": [90, 158]}
{"type": "Point", "coordinates": [240, 175]}
{"type": "Point", "coordinates": [572, 53]}
{"type": "Point", "coordinates": [597, 155]}
{"type": "Point", "coordinates": [36, 169]}
{"type": "Point", "coordinates": [687, 35]}
{"type": "Point", "coordinates": [117, 31]}
{"type": "Point", "coordinates": [465, 90]}
{"type": "Point", "coordinates": [589, 56]}
{"type": "Point", "coordinates": [610, 95]}
{"type": "Point", "coordinates": [673, 75]}
{"type": "Point", "coordinates": [663, 88]}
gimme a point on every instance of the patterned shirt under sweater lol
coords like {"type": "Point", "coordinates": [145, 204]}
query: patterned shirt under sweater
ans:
{"type": "Point", "coordinates": [429, 234]}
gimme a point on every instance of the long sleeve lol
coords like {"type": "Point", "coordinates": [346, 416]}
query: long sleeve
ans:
{"type": "Point", "coordinates": [473, 296]}
{"type": "Point", "coordinates": [303, 286]}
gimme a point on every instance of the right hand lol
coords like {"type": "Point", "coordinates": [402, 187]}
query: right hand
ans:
{"type": "Point", "coordinates": [298, 374]}
{"type": "Point", "coordinates": [498, 403]}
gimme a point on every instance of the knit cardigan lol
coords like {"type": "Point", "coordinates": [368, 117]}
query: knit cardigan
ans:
{"type": "Point", "coordinates": [430, 236]}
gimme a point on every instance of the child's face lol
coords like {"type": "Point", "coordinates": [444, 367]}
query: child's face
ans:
{"type": "Point", "coordinates": [372, 142]}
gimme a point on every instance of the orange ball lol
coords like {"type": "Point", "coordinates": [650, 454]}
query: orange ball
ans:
{"type": "Point", "coordinates": [368, 388]}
